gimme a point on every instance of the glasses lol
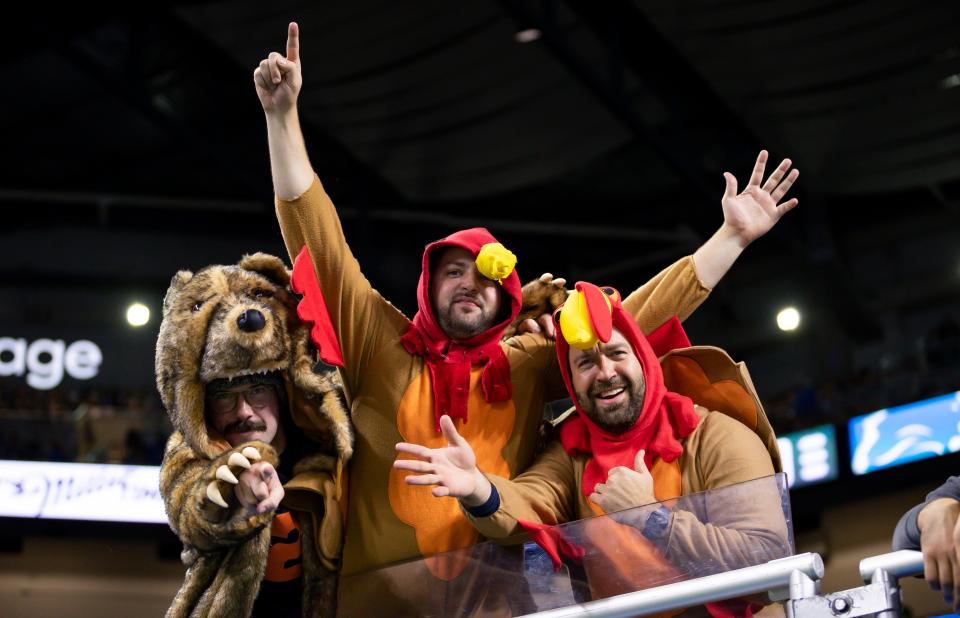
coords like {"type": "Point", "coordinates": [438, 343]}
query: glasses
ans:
{"type": "Point", "coordinates": [258, 396]}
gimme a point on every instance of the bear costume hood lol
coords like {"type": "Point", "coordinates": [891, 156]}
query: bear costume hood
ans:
{"type": "Point", "coordinates": [224, 322]}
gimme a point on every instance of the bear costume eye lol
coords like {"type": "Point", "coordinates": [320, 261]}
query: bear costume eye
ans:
{"type": "Point", "coordinates": [261, 293]}
{"type": "Point", "coordinates": [196, 306]}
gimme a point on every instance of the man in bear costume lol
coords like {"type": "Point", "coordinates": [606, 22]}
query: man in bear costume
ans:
{"type": "Point", "coordinates": [236, 372]}
{"type": "Point", "coordinates": [401, 376]}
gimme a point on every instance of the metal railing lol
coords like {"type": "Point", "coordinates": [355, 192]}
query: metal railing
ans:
{"type": "Point", "coordinates": [794, 580]}
{"type": "Point", "coordinates": [879, 597]}
{"type": "Point", "coordinates": [779, 576]}
{"type": "Point", "coordinates": [897, 564]}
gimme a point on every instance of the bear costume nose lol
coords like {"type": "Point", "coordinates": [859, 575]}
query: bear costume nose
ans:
{"type": "Point", "coordinates": [250, 321]}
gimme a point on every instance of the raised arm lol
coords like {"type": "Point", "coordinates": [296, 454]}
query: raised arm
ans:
{"type": "Point", "coordinates": [361, 319]}
{"type": "Point", "coordinates": [278, 80]}
{"type": "Point", "coordinates": [746, 217]}
{"type": "Point", "coordinates": [680, 288]}
{"type": "Point", "coordinates": [675, 291]}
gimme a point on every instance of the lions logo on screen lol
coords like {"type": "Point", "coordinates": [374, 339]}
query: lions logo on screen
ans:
{"type": "Point", "coordinates": [900, 435]}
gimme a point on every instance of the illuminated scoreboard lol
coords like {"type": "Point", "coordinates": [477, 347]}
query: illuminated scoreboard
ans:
{"type": "Point", "coordinates": [900, 435]}
{"type": "Point", "coordinates": [99, 492]}
{"type": "Point", "coordinates": [809, 456]}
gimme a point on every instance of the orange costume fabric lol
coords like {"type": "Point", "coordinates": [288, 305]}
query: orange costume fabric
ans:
{"type": "Point", "coordinates": [285, 559]}
{"type": "Point", "coordinates": [392, 399]}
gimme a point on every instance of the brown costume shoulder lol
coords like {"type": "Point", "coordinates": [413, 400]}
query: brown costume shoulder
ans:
{"type": "Point", "coordinates": [363, 320]}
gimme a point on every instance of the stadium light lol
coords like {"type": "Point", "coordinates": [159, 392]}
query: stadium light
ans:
{"type": "Point", "coordinates": [527, 35]}
{"type": "Point", "coordinates": [138, 314]}
{"type": "Point", "coordinates": [788, 319]}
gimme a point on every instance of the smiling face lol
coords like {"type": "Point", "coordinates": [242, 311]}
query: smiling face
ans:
{"type": "Point", "coordinates": [608, 382]}
{"type": "Point", "coordinates": [247, 412]}
{"type": "Point", "coordinates": [465, 302]}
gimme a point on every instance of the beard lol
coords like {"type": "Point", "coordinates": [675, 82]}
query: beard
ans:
{"type": "Point", "coordinates": [614, 419]}
{"type": "Point", "coordinates": [458, 325]}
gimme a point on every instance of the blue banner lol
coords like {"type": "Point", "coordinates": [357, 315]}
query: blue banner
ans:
{"type": "Point", "coordinates": [895, 436]}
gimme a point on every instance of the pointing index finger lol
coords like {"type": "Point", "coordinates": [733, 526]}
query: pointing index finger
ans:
{"type": "Point", "coordinates": [293, 42]}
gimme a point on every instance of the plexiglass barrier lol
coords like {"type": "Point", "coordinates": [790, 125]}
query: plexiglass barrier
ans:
{"type": "Point", "coordinates": [693, 536]}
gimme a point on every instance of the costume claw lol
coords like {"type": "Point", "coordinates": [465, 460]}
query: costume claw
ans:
{"type": "Point", "coordinates": [224, 474]}
{"type": "Point", "coordinates": [251, 453]}
{"type": "Point", "coordinates": [214, 495]}
{"type": "Point", "coordinates": [236, 459]}
{"type": "Point", "coordinates": [560, 282]}
{"type": "Point", "coordinates": [546, 277]}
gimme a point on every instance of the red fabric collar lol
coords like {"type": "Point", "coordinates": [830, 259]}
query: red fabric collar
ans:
{"type": "Point", "coordinates": [312, 309]}
{"type": "Point", "coordinates": [449, 361]}
{"type": "Point", "coordinates": [666, 418]}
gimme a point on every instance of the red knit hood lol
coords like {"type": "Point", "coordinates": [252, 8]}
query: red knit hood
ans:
{"type": "Point", "coordinates": [450, 360]}
{"type": "Point", "coordinates": [665, 419]}
{"type": "Point", "coordinates": [470, 240]}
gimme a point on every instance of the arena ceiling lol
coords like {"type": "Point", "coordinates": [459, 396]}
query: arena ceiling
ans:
{"type": "Point", "coordinates": [135, 146]}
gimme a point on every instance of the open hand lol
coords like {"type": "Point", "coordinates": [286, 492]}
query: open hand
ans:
{"type": "Point", "coordinates": [751, 214]}
{"type": "Point", "coordinates": [452, 469]}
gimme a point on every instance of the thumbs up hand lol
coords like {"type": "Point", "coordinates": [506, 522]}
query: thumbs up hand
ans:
{"type": "Point", "coordinates": [625, 488]}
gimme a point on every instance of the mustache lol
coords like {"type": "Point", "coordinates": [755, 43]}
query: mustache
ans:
{"type": "Point", "coordinates": [246, 426]}
{"type": "Point", "coordinates": [473, 298]}
{"type": "Point", "coordinates": [599, 387]}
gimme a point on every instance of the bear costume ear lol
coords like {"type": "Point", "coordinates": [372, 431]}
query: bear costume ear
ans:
{"type": "Point", "coordinates": [176, 282]}
{"type": "Point", "coordinates": [267, 265]}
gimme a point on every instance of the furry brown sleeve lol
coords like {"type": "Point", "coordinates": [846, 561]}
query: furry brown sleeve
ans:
{"type": "Point", "coordinates": [184, 477]}
{"type": "Point", "coordinates": [539, 297]}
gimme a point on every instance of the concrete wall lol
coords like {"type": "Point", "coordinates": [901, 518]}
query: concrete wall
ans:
{"type": "Point", "coordinates": [76, 578]}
